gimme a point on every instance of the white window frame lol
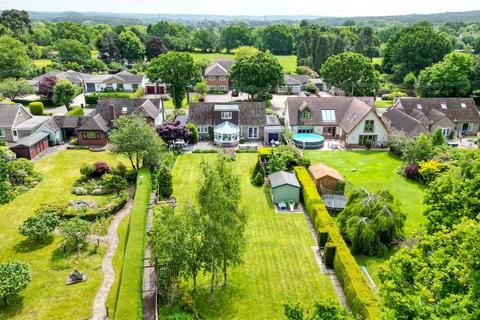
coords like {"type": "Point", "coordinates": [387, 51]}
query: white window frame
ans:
{"type": "Point", "coordinates": [253, 132]}
{"type": "Point", "coordinates": [202, 129]}
{"type": "Point", "coordinates": [222, 78]}
{"type": "Point", "coordinates": [222, 87]}
{"type": "Point", "coordinates": [446, 131]}
{"type": "Point", "coordinates": [226, 115]}
{"type": "Point", "coordinates": [329, 115]}
{"type": "Point", "coordinates": [3, 134]}
{"type": "Point", "coordinates": [212, 87]}
{"type": "Point", "coordinates": [211, 78]}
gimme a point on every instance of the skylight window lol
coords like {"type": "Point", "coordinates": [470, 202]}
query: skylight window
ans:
{"type": "Point", "coordinates": [353, 116]}
{"type": "Point", "coordinates": [124, 110]}
{"type": "Point", "coordinates": [328, 115]}
{"type": "Point", "coordinates": [419, 106]}
{"type": "Point", "coordinates": [463, 105]}
{"type": "Point", "coordinates": [444, 105]}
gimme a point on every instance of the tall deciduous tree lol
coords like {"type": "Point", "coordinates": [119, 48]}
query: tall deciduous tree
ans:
{"type": "Point", "coordinates": [130, 46]}
{"type": "Point", "coordinates": [137, 140]}
{"type": "Point", "coordinates": [154, 47]}
{"type": "Point", "coordinates": [178, 70]}
{"type": "Point", "coordinates": [12, 88]}
{"type": "Point", "coordinates": [235, 36]}
{"type": "Point", "coordinates": [436, 279]}
{"type": "Point", "coordinates": [45, 87]}
{"type": "Point", "coordinates": [351, 72]}
{"type": "Point", "coordinates": [276, 38]}
{"type": "Point", "coordinates": [71, 50]}
{"type": "Point", "coordinates": [63, 93]}
{"type": "Point", "coordinates": [14, 59]}
{"type": "Point", "coordinates": [448, 78]}
{"type": "Point", "coordinates": [107, 46]}
{"type": "Point", "coordinates": [205, 39]}
{"type": "Point", "coordinates": [257, 74]}
{"type": "Point", "coordinates": [16, 20]}
{"type": "Point", "coordinates": [414, 48]}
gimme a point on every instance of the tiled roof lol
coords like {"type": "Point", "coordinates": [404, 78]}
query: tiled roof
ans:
{"type": "Point", "coordinates": [71, 122]}
{"type": "Point", "coordinates": [32, 123]}
{"type": "Point", "coordinates": [70, 75]}
{"type": "Point", "coordinates": [125, 106]}
{"type": "Point", "coordinates": [402, 121]}
{"type": "Point", "coordinates": [8, 114]}
{"type": "Point", "coordinates": [97, 123]}
{"type": "Point", "coordinates": [31, 140]}
{"type": "Point", "coordinates": [123, 76]}
{"type": "Point", "coordinates": [299, 79]}
{"type": "Point", "coordinates": [349, 111]}
{"type": "Point", "coordinates": [250, 113]}
{"type": "Point", "coordinates": [456, 109]}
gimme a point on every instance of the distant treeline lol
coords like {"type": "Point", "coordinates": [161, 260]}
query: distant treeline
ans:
{"type": "Point", "coordinates": [217, 20]}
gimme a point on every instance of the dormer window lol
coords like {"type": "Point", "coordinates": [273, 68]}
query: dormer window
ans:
{"type": "Point", "coordinates": [306, 114]}
{"type": "Point", "coordinates": [444, 105]}
{"type": "Point", "coordinates": [226, 115]}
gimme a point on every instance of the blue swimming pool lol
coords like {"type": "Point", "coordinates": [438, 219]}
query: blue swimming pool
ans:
{"type": "Point", "coordinates": [309, 140]}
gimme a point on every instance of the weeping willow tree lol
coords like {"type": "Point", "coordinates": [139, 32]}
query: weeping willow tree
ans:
{"type": "Point", "coordinates": [371, 222]}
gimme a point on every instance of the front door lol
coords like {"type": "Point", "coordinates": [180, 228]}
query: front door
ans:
{"type": "Point", "coordinates": [15, 135]}
{"type": "Point", "coordinates": [272, 137]}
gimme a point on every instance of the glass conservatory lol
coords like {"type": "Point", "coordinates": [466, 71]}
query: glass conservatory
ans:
{"type": "Point", "coordinates": [226, 134]}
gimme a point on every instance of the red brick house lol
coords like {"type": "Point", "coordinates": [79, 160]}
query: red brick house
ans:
{"type": "Point", "coordinates": [93, 132]}
{"type": "Point", "coordinates": [217, 75]}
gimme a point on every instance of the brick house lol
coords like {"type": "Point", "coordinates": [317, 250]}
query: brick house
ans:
{"type": "Point", "coordinates": [217, 75]}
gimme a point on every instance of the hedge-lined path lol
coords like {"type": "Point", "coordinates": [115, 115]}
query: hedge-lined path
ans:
{"type": "Point", "coordinates": [112, 239]}
{"type": "Point", "coordinates": [317, 252]}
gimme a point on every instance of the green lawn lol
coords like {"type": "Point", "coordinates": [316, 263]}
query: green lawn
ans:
{"type": "Point", "coordinates": [383, 103]}
{"type": "Point", "coordinates": [47, 297]}
{"type": "Point", "coordinates": [42, 62]}
{"type": "Point", "coordinates": [279, 264]}
{"type": "Point", "coordinates": [169, 104]}
{"type": "Point", "coordinates": [376, 170]}
{"type": "Point", "coordinates": [289, 63]}
{"type": "Point", "coordinates": [129, 303]}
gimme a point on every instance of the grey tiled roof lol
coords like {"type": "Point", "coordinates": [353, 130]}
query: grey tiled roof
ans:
{"type": "Point", "coordinates": [70, 75]}
{"type": "Point", "coordinates": [298, 78]}
{"type": "Point", "coordinates": [31, 140]}
{"type": "Point", "coordinates": [220, 67]}
{"type": "Point", "coordinates": [125, 106]}
{"type": "Point", "coordinates": [281, 178]}
{"type": "Point", "coordinates": [250, 113]}
{"type": "Point", "coordinates": [402, 121]}
{"type": "Point", "coordinates": [454, 110]}
{"type": "Point", "coordinates": [8, 114]}
{"type": "Point", "coordinates": [97, 123]}
{"type": "Point", "coordinates": [349, 111]}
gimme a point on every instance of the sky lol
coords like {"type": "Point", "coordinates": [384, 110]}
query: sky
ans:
{"type": "Point", "coordinates": [338, 8]}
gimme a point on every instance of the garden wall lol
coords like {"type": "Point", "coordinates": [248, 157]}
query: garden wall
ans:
{"type": "Point", "coordinates": [129, 298]}
{"type": "Point", "coordinates": [360, 298]}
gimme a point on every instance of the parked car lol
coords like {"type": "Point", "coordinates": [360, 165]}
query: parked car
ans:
{"type": "Point", "coordinates": [234, 93]}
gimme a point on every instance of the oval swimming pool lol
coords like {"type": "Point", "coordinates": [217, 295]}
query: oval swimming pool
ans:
{"type": "Point", "coordinates": [309, 140]}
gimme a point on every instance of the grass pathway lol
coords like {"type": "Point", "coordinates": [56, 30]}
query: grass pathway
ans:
{"type": "Point", "coordinates": [112, 239]}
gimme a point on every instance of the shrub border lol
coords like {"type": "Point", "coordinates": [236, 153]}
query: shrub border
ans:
{"type": "Point", "coordinates": [360, 298]}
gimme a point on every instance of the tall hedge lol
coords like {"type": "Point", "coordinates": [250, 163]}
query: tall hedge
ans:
{"type": "Point", "coordinates": [360, 297]}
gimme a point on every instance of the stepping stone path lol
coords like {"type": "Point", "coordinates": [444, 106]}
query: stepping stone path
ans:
{"type": "Point", "coordinates": [112, 240]}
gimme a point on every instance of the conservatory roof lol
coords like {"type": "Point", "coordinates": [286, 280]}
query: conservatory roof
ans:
{"type": "Point", "coordinates": [226, 128]}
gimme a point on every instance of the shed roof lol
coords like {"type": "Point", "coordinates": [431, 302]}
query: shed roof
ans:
{"type": "Point", "coordinates": [281, 178]}
{"type": "Point", "coordinates": [319, 171]}
{"type": "Point", "coordinates": [31, 140]}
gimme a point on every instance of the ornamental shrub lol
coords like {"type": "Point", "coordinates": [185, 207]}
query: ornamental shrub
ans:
{"type": "Point", "coordinates": [19, 170]}
{"type": "Point", "coordinates": [14, 278]}
{"type": "Point", "coordinates": [101, 168]}
{"type": "Point", "coordinates": [429, 170]}
{"type": "Point", "coordinates": [259, 179]}
{"type": "Point", "coordinates": [165, 186]}
{"type": "Point", "coordinates": [39, 225]}
{"type": "Point", "coordinates": [193, 138]}
{"type": "Point", "coordinates": [75, 230]}
{"type": "Point", "coordinates": [411, 171]}
{"type": "Point", "coordinates": [76, 111]}
{"type": "Point", "coordinates": [36, 108]}
{"type": "Point", "coordinates": [310, 87]}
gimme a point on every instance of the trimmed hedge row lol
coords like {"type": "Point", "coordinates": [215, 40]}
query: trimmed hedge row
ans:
{"type": "Point", "coordinates": [361, 299]}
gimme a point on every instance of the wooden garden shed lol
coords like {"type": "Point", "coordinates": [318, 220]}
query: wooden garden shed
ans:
{"type": "Point", "coordinates": [284, 187]}
{"type": "Point", "coordinates": [324, 177]}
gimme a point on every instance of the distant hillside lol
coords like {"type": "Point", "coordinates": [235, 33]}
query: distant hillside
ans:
{"type": "Point", "coordinates": [135, 18]}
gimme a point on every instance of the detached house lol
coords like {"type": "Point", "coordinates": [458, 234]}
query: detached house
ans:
{"type": "Point", "coordinates": [92, 130]}
{"type": "Point", "coordinates": [230, 123]}
{"type": "Point", "coordinates": [77, 78]}
{"type": "Point", "coordinates": [12, 115]}
{"type": "Point", "coordinates": [217, 75]}
{"type": "Point", "coordinates": [122, 81]}
{"type": "Point", "coordinates": [457, 116]}
{"type": "Point", "coordinates": [349, 119]}
{"type": "Point", "coordinates": [293, 84]}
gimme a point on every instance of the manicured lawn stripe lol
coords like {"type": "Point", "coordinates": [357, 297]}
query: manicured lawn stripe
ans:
{"type": "Point", "coordinates": [129, 301]}
{"type": "Point", "coordinates": [279, 264]}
